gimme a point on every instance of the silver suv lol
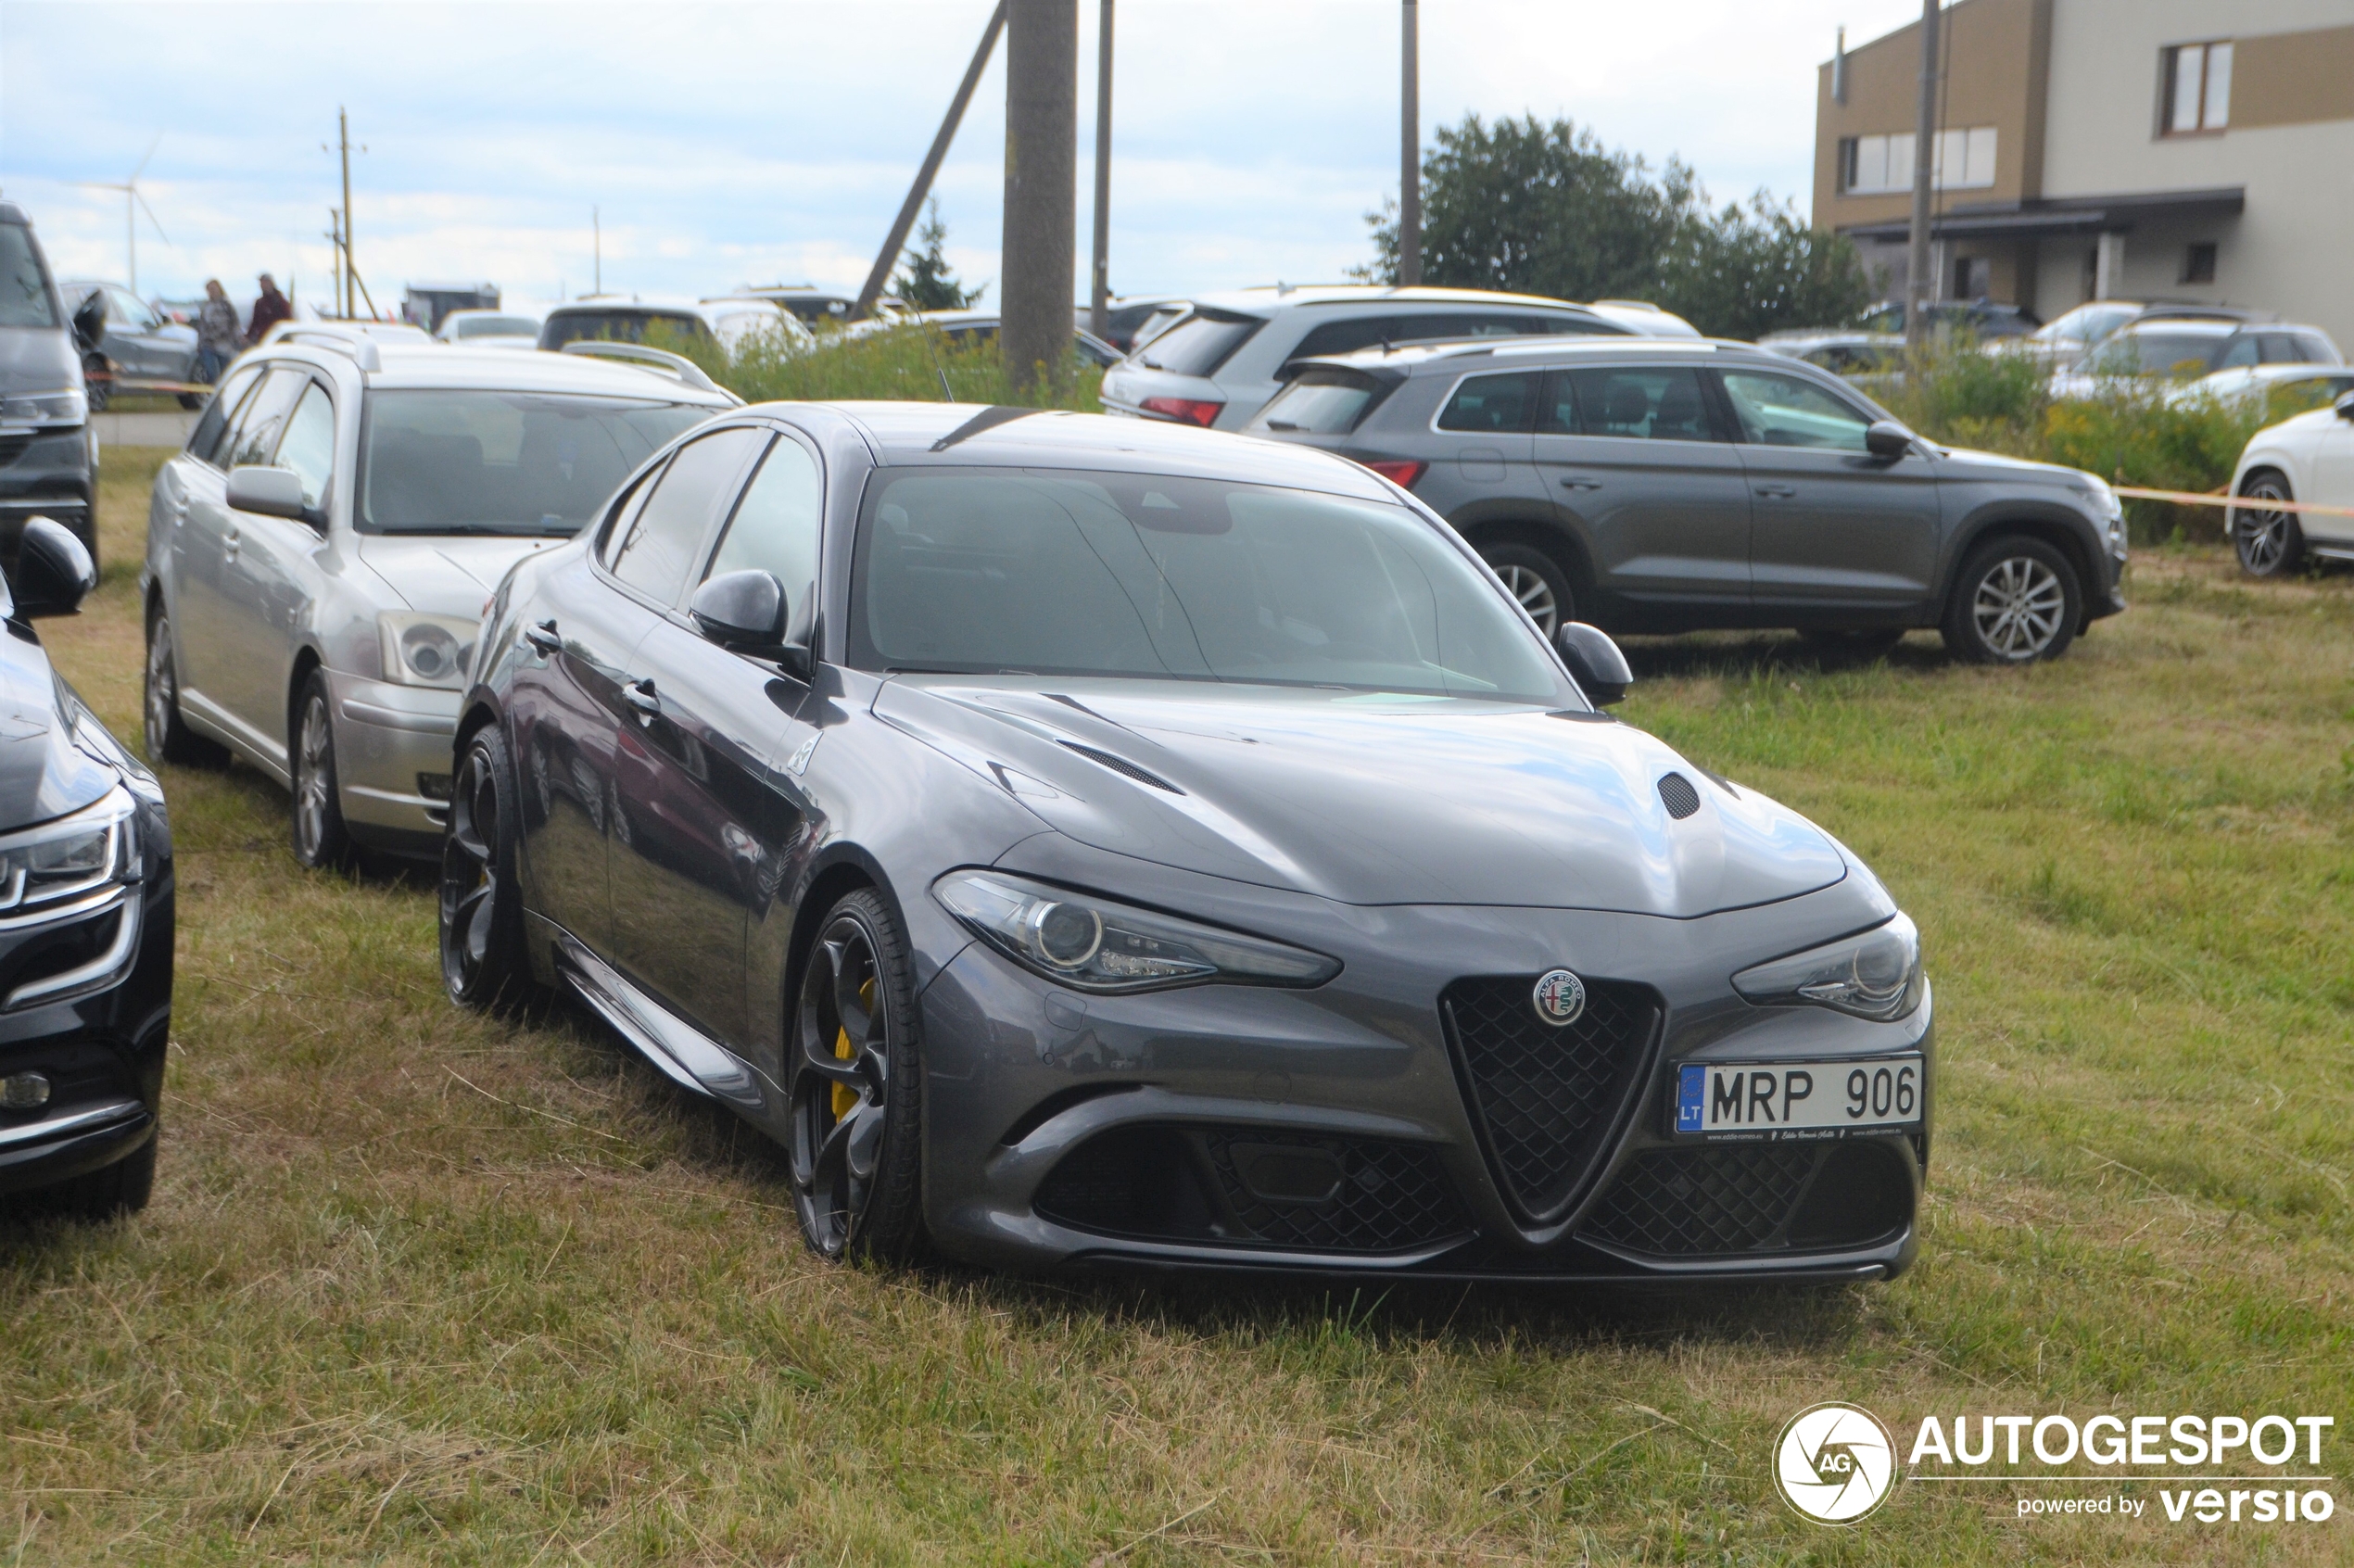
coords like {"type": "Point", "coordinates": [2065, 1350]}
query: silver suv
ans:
{"type": "Point", "coordinates": [320, 555]}
{"type": "Point", "coordinates": [1224, 358]}
{"type": "Point", "coordinates": [1665, 486]}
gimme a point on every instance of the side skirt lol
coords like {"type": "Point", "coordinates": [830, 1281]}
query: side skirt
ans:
{"type": "Point", "coordinates": [684, 1053]}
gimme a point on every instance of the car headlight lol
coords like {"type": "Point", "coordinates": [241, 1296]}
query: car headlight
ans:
{"type": "Point", "coordinates": [1091, 943]}
{"type": "Point", "coordinates": [69, 406]}
{"type": "Point", "coordinates": [427, 650]}
{"type": "Point", "coordinates": [2110, 509]}
{"type": "Point", "coordinates": [46, 865]}
{"type": "Point", "coordinates": [1876, 975]}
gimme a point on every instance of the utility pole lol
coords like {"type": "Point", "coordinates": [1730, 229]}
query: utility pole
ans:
{"type": "Point", "coordinates": [1042, 188]}
{"type": "Point", "coordinates": [596, 253]}
{"type": "Point", "coordinates": [1919, 287]}
{"type": "Point", "coordinates": [335, 244]}
{"type": "Point", "coordinates": [888, 255]}
{"type": "Point", "coordinates": [1099, 273]}
{"type": "Point", "coordinates": [350, 267]}
{"type": "Point", "coordinates": [1409, 156]}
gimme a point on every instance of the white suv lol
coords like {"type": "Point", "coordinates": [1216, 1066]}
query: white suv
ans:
{"type": "Point", "coordinates": [320, 555]}
{"type": "Point", "coordinates": [1220, 362]}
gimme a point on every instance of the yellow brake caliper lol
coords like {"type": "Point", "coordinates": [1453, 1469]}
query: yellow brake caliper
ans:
{"type": "Point", "coordinates": [844, 1095]}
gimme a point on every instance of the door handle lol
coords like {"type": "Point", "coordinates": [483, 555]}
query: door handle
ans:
{"type": "Point", "coordinates": [1777, 492]}
{"type": "Point", "coordinates": [543, 636]}
{"type": "Point", "coordinates": [640, 696]}
{"type": "Point", "coordinates": [1581, 484]}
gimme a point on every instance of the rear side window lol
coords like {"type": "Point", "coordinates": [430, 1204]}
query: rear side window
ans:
{"type": "Point", "coordinates": [1322, 401]}
{"type": "Point", "coordinates": [1201, 342]}
{"type": "Point", "coordinates": [1492, 405]}
{"type": "Point", "coordinates": [1654, 403]}
{"type": "Point", "coordinates": [667, 534]}
{"type": "Point", "coordinates": [25, 299]}
{"type": "Point", "coordinates": [205, 441]}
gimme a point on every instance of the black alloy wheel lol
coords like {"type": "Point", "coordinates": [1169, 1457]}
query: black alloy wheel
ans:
{"type": "Point", "coordinates": [2016, 600]}
{"type": "Point", "coordinates": [854, 1069]}
{"type": "Point", "coordinates": [320, 840]}
{"type": "Point", "coordinates": [484, 960]}
{"type": "Point", "coordinates": [168, 738]}
{"type": "Point", "coordinates": [1537, 581]}
{"type": "Point", "coordinates": [2268, 541]}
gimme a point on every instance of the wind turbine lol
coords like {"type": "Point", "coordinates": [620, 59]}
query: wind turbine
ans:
{"type": "Point", "coordinates": [131, 204]}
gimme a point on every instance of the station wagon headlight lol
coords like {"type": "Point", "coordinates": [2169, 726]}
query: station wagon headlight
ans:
{"type": "Point", "coordinates": [1091, 943]}
{"type": "Point", "coordinates": [1876, 975]}
{"type": "Point", "coordinates": [427, 650]}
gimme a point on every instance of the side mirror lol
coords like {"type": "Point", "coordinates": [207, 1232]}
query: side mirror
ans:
{"type": "Point", "coordinates": [746, 611]}
{"type": "Point", "coordinates": [1886, 439]}
{"type": "Point", "coordinates": [270, 492]}
{"type": "Point", "coordinates": [2346, 406]}
{"type": "Point", "coordinates": [90, 321]}
{"type": "Point", "coordinates": [1595, 660]}
{"type": "Point", "coordinates": [54, 572]}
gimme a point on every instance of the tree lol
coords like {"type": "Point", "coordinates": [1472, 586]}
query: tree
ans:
{"type": "Point", "coordinates": [1538, 209]}
{"type": "Point", "coordinates": [925, 280]}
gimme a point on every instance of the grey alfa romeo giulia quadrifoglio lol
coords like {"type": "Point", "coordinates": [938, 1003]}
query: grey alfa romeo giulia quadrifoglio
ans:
{"type": "Point", "coordinates": [1077, 840]}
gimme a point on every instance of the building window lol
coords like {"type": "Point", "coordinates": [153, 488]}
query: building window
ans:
{"type": "Point", "coordinates": [2198, 263]}
{"type": "Point", "coordinates": [2198, 88]}
{"type": "Point", "coordinates": [1881, 165]}
{"type": "Point", "coordinates": [1973, 277]}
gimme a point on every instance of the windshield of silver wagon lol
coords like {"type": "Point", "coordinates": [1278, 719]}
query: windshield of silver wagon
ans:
{"type": "Point", "coordinates": [1053, 571]}
{"type": "Point", "coordinates": [449, 462]}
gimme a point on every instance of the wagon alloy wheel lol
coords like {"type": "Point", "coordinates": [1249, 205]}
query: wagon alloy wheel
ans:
{"type": "Point", "coordinates": [320, 837]}
{"type": "Point", "coordinates": [1533, 578]}
{"type": "Point", "coordinates": [1535, 595]}
{"type": "Point", "coordinates": [2020, 607]}
{"type": "Point", "coordinates": [484, 963]}
{"type": "Point", "coordinates": [2268, 538]}
{"type": "Point", "coordinates": [163, 696]}
{"type": "Point", "coordinates": [854, 1125]}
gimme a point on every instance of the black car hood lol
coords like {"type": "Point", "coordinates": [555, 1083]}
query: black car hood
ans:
{"type": "Point", "coordinates": [43, 772]}
{"type": "Point", "coordinates": [1369, 799]}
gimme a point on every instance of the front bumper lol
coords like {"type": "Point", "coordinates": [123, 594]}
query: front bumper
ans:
{"type": "Point", "coordinates": [392, 753]}
{"type": "Point", "coordinates": [45, 473]}
{"type": "Point", "coordinates": [1342, 1131]}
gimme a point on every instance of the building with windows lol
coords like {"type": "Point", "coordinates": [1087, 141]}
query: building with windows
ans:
{"type": "Point", "coordinates": [2119, 149]}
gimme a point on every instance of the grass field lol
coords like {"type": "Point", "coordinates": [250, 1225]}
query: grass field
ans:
{"type": "Point", "coordinates": [420, 1288]}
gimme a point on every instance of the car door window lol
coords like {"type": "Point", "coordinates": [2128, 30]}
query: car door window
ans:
{"type": "Point", "coordinates": [1346, 337]}
{"type": "Point", "coordinates": [309, 445]}
{"type": "Point", "coordinates": [2241, 353]}
{"type": "Point", "coordinates": [1781, 410]}
{"type": "Point", "coordinates": [1655, 403]}
{"type": "Point", "coordinates": [206, 442]}
{"type": "Point", "coordinates": [1491, 405]}
{"type": "Point", "coordinates": [774, 528]}
{"type": "Point", "coordinates": [255, 437]}
{"type": "Point", "coordinates": [666, 535]}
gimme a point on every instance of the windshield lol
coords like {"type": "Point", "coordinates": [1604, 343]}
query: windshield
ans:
{"type": "Point", "coordinates": [1321, 402]}
{"type": "Point", "coordinates": [2088, 323]}
{"type": "Point", "coordinates": [24, 292]}
{"type": "Point", "coordinates": [2159, 353]}
{"type": "Point", "coordinates": [1038, 572]}
{"type": "Point", "coordinates": [494, 326]}
{"type": "Point", "coordinates": [502, 463]}
{"type": "Point", "coordinates": [625, 325]}
{"type": "Point", "coordinates": [1199, 344]}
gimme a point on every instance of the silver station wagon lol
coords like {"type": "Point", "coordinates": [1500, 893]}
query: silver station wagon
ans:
{"type": "Point", "coordinates": [320, 555]}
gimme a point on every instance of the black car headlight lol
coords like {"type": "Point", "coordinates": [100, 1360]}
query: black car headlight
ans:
{"type": "Point", "coordinates": [1093, 943]}
{"type": "Point", "coordinates": [41, 868]}
{"type": "Point", "coordinates": [1876, 975]}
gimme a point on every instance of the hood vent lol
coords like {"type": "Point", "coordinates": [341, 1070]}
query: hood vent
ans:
{"type": "Point", "coordinates": [1676, 792]}
{"type": "Point", "coordinates": [1123, 766]}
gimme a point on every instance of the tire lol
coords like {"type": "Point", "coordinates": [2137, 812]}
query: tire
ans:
{"type": "Point", "coordinates": [1537, 581]}
{"type": "Point", "coordinates": [2270, 544]}
{"type": "Point", "coordinates": [169, 737]}
{"type": "Point", "coordinates": [2016, 600]}
{"type": "Point", "coordinates": [123, 1187]}
{"type": "Point", "coordinates": [192, 402]}
{"type": "Point", "coordinates": [320, 840]}
{"type": "Point", "coordinates": [855, 1075]}
{"type": "Point", "coordinates": [485, 961]}
{"type": "Point", "coordinates": [96, 385]}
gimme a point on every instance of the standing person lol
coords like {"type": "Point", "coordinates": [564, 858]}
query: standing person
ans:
{"type": "Point", "coordinates": [216, 333]}
{"type": "Point", "coordinates": [268, 311]}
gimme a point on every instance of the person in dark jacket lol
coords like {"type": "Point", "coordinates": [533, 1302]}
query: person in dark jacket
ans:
{"type": "Point", "coordinates": [268, 311]}
{"type": "Point", "coordinates": [216, 333]}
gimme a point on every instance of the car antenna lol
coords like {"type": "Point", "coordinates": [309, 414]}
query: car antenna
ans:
{"type": "Point", "coordinates": [945, 395]}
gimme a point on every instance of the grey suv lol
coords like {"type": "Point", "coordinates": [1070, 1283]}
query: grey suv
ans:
{"type": "Point", "coordinates": [1650, 485]}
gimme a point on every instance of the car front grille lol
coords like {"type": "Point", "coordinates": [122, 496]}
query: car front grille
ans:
{"type": "Point", "coordinates": [13, 447]}
{"type": "Point", "coordinates": [1729, 1198]}
{"type": "Point", "coordinates": [1249, 1186]}
{"type": "Point", "coordinates": [1547, 1100]}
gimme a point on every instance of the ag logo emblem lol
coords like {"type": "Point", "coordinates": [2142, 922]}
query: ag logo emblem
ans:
{"type": "Point", "coordinates": [1834, 1463]}
{"type": "Point", "coordinates": [1561, 996]}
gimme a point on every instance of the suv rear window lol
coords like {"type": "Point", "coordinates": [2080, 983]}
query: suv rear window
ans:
{"type": "Point", "coordinates": [1325, 400]}
{"type": "Point", "coordinates": [1201, 342]}
{"type": "Point", "coordinates": [617, 326]}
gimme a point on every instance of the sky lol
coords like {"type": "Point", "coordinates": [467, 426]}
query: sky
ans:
{"type": "Point", "coordinates": [757, 142]}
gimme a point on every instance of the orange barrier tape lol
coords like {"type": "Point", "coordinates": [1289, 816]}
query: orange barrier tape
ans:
{"type": "Point", "coordinates": [2242, 503]}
